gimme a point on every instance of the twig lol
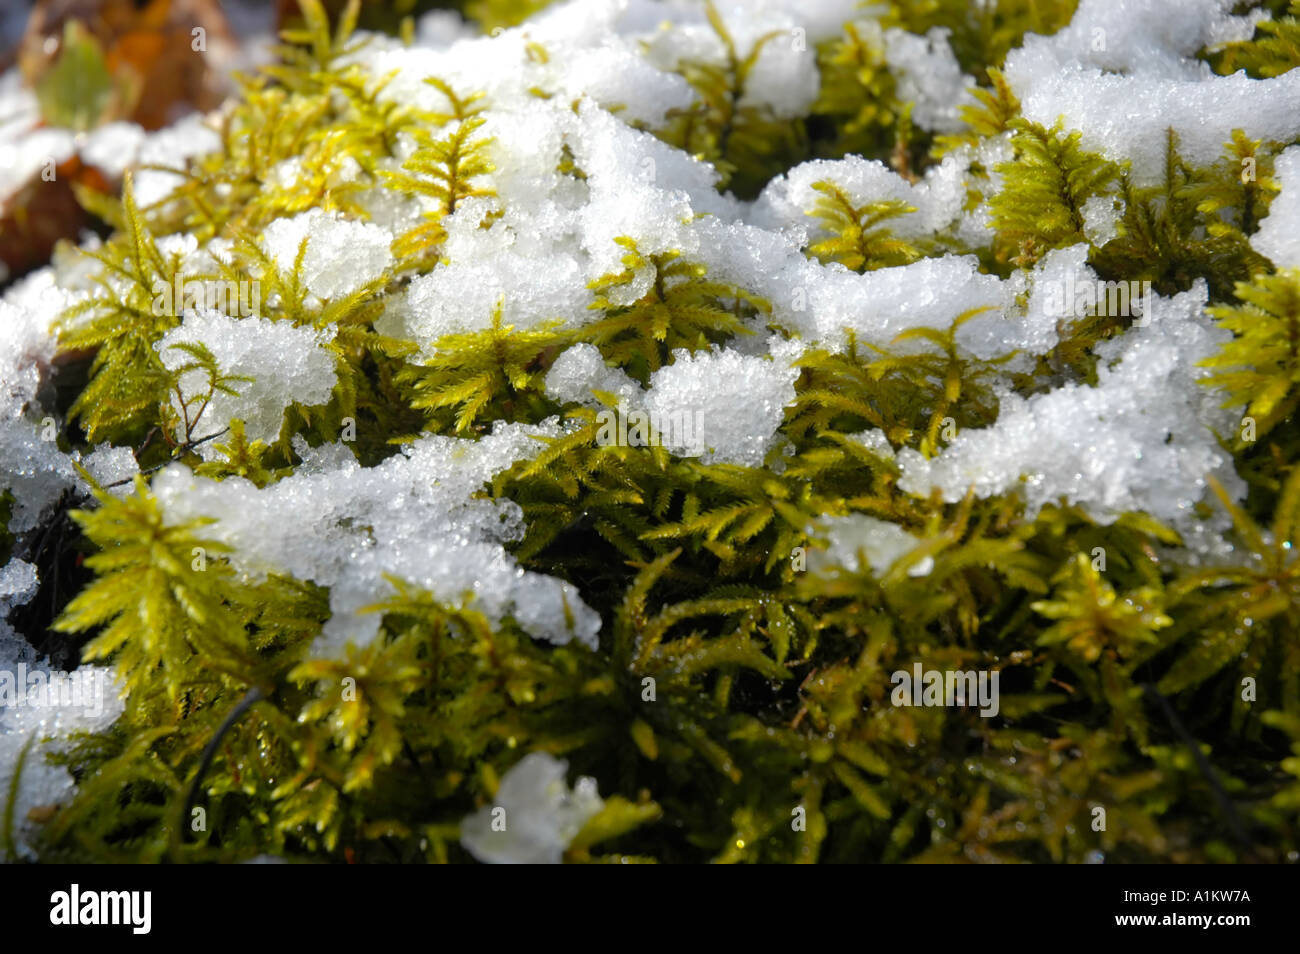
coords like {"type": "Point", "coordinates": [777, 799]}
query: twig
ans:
{"type": "Point", "coordinates": [185, 449]}
{"type": "Point", "coordinates": [209, 753]}
{"type": "Point", "coordinates": [1229, 811]}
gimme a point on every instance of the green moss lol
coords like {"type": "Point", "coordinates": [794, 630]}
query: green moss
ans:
{"type": "Point", "coordinates": [771, 683]}
{"type": "Point", "coordinates": [1045, 187]}
{"type": "Point", "coordinates": [746, 143]}
{"type": "Point", "coordinates": [1274, 49]}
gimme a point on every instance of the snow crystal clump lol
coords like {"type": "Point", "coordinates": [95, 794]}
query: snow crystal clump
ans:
{"type": "Point", "coordinates": [535, 815]}
{"type": "Point", "coordinates": [41, 707]}
{"type": "Point", "coordinates": [414, 516]}
{"type": "Point", "coordinates": [110, 465]}
{"type": "Point", "coordinates": [876, 441]}
{"type": "Point", "coordinates": [32, 467]}
{"type": "Point", "coordinates": [1125, 117]}
{"type": "Point", "coordinates": [464, 294]}
{"type": "Point", "coordinates": [784, 76]}
{"type": "Point", "coordinates": [1124, 73]}
{"type": "Point", "coordinates": [18, 583]}
{"type": "Point", "coordinates": [727, 404]}
{"type": "Point", "coordinates": [788, 200]}
{"type": "Point", "coordinates": [1142, 439]}
{"type": "Point", "coordinates": [1101, 217]}
{"type": "Point", "coordinates": [929, 77]}
{"type": "Point", "coordinates": [1278, 237]}
{"type": "Point", "coordinates": [341, 255]}
{"type": "Point", "coordinates": [114, 147]}
{"type": "Point", "coordinates": [1055, 288]}
{"type": "Point", "coordinates": [1156, 38]}
{"type": "Point", "coordinates": [720, 405]}
{"type": "Point", "coordinates": [87, 700]}
{"type": "Point", "coordinates": [26, 158]}
{"type": "Point", "coordinates": [287, 365]}
{"type": "Point", "coordinates": [580, 371]}
{"type": "Point", "coordinates": [441, 28]}
{"type": "Point", "coordinates": [881, 544]}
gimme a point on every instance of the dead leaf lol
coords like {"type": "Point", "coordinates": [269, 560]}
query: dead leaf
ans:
{"type": "Point", "coordinates": [40, 213]}
{"type": "Point", "coordinates": [163, 56]}
{"type": "Point", "coordinates": [42, 813]}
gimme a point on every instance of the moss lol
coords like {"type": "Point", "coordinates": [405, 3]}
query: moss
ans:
{"type": "Point", "coordinates": [1272, 51]}
{"type": "Point", "coordinates": [770, 683]}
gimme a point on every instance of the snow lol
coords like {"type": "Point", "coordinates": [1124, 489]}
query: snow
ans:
{"type": "Point", "coordinates": [784, 76]}
{"type": "Point", "coordinates": [41, 706]}
{"type": "Point", "coordinates": [94, 705]}
{"type": "Point", "coordinates": [113, 148]}
{"type": "Point", "coordinates": [1124, 72]}
{"type": "Point", "coordinates": [486, 268]}
{"type": "Point", "coordinates": [1055, 274]}
{"type": "Point", "coordinates": [789, 200]}
{"type": "Point", "coordinates": [718, 405]}
{"type": "Point", "coordinates": [288, 365]}
{"type": "Point", "coordinates": [929, 77]}
{"type": "Point", "coordinates": [729, 405]}
{"type": "Point", "coordinates": [535, 816]}
{"type": "Point", "coordinates": [32, 467]}
{"type": "Point", "coordinates": [580, 371]}
{"type": "Point", "coordinates": [854, 535]}
{"type": "Point", "coordinates": [329, 238]}
{"type": "Point", "coordinates": [589, 81]}
{"type": "Point", "coordinates": [441, 28]}
{"type": "Point", "coordinates": [1143, 439]}
{"type": "Point", "coordinates": [1157, 38]}
{"type": "Point", "coordinates": [1101, 217]}
{"type": "Point", "coordinates": [18, 582]}
{"type": "Point", "coordinates": [1278, 237]}
{"type": "Point", "coordinates": [110, 465]}
{"type": "Point", "coordinates": [171, 148]}
{"type": "Point", "coordinates": [33, 158]}
{"type": "Point", "coordinates": [413, 516]}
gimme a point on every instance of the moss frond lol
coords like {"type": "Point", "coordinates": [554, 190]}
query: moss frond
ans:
{"type": "Point", "coordinates": [746, 143]}
{"type": "Point", "coordinates": [1045, 186]}
{"type": "Point", "coordinates": [1260, 367]}
{"type": "Point", "coordinates": [443, 170]}
{"type": "Point", "coordinates": [160, 598]}
{"type": "Point", "coordinates": [1274, 50]}
{"type": "Point", "coordinates": [493, 374]}
{"type": "Point", "coordinates": [680, 309]}
{"type": "Point", "coordinates": [122, 321]}
{"type": "Point", "coordinates": [861, 241]}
